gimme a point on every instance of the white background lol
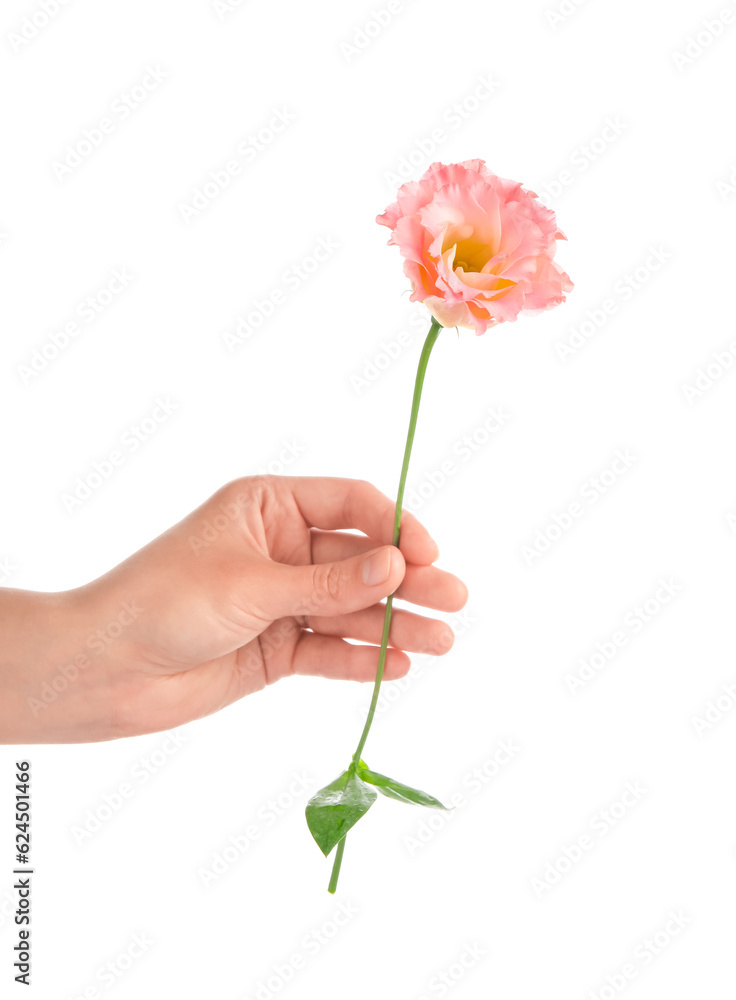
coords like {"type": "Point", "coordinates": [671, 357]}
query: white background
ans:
{"type": "Point", "coordinates": [648, 209]}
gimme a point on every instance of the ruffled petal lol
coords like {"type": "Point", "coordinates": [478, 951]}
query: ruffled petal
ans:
{"type": "Point", "coordinates": [478, 249]}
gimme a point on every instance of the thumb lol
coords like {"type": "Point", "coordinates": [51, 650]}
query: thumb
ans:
{"type": "Point", "coordinates": [335, 588]}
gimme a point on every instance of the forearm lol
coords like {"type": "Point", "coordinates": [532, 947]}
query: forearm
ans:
{"type": "Point", "coordinates": [55, 683]}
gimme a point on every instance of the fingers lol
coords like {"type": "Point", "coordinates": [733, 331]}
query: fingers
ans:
{"type": "Point", "coordinates": [330, 502]}
{"type": "Point", "coordinates": [427, 586]}
{"type": "Point", "coordinates": [410, 632]}
{"type": "Point", "coordinates": [433, 588]}
{"type": "Point", "coordinates": [326, 656]}
{"type": "Point", "coordinates": [332, 588]}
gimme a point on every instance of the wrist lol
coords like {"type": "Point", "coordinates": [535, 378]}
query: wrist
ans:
{"type": "Point", "coordinates": [55, 671]}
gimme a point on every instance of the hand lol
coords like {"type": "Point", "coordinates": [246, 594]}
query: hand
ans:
{"type": "Point", "coordinates": [258, 583]}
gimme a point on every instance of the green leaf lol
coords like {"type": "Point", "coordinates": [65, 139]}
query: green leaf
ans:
{"type": "Point", "coordinates": [337, 807]}
{"type": "Point", "coordinates": [396, 790]}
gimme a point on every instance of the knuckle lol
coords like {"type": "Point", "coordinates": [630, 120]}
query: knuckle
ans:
{"type": "Point", "coordinates": [258, 484]}
{"type": "Point", "coordinates": [329, 583]}
{"type": "Point", "coordinates": [239, 494]}
{"type": "Point", "coordinates": [362, 490]}
{"type": "Point", "coordinates": [407, 517]}
{"type": "Point", "coordinates": [230, 491]}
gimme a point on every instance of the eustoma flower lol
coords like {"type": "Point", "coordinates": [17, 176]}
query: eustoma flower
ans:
{"type": "Point", "coordinates": [478, 251]}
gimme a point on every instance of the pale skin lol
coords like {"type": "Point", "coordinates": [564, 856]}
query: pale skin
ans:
{"type": "Point", "coordinates": [266, 579]}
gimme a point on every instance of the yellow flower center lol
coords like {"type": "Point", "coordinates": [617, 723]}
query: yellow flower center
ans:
{"type": "Point", "coordinates": [471, 255]}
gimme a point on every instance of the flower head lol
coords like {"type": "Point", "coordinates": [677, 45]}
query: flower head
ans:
{"type": "Point", "coordinates": [477, 249]}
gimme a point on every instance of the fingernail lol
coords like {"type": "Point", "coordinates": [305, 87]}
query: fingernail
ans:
{"type": "Point", "coordinates": [376, 567]}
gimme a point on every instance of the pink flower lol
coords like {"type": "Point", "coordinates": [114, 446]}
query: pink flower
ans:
{"type": "Point", "coordinates": [477, 249]}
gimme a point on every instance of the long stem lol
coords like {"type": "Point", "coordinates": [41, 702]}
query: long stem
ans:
{"type": "Point", "coordinates": [337, 865]}
{"type": "Point", "coordinates": [418, 384]}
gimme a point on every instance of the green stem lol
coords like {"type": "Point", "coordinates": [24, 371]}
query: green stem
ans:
{"type": "Point", "coordinates": [418, 384]}
{"type": "Point", "coordinates": [336, 867]}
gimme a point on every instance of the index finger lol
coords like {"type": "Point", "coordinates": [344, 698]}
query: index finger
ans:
{"type": "Point", "coordinates": [332, 502]}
